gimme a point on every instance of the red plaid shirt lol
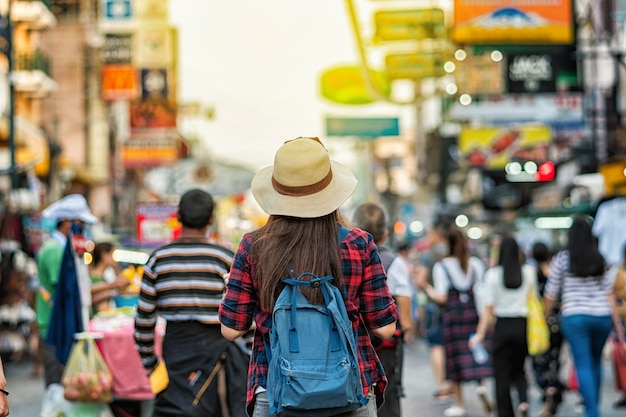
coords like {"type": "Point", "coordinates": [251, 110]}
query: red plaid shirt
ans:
{"type": "Point", "coordinates": [364, 288]}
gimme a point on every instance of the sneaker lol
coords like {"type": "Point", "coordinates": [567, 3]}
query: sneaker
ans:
{"type": "Point", "coordinates": [620, 402]}
{"type": "Point", "coordinates": [454, 411]}
{"type": "Point", "coordinates": [483, 396]}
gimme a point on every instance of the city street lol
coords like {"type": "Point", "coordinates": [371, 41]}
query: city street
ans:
{"type": "Point", "coordinates": [27, 393]}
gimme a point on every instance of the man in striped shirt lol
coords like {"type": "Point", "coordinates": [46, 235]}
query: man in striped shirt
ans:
{"type": "Point", "coordinates": [183, 282]}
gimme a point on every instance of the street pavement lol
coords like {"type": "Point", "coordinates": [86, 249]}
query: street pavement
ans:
{"type": "Point", "coordinates": [27, 391]}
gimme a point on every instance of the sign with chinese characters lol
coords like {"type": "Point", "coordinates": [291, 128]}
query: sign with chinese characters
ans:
{"type": "Point", "coordinates": [117, 49]}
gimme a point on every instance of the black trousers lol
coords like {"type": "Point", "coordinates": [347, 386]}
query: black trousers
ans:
{"type": "Point", "coordinates": [391, 359]}
{"type": "Point", "coordinates": [509, 355]}
{"type": "Point", "coordinates": [207, 373]}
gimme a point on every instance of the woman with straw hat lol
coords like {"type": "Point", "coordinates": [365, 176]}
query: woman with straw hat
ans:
{"type": "Point", "coordinates": [302, 192]}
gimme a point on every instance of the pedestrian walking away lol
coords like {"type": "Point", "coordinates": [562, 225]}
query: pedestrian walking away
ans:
{"type": "Point", "coordinates": [547, 366]}
{"type": "Point", "coordinates": [579, 278]}
{"type": "Point", "coordinates": [506, 290]}
{"type": "Point", "coordinates": [456, 279]}
{"type": "Point", "coordinates": [371, 217]}
{"type": "Point", "coordinates": [183, 282]}
{"type": "Point", "coordinates": [305, 233]}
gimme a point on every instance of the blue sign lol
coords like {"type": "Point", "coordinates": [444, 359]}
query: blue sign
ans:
{"type": "Point", "coordinates": [117, 9]}
{"type": "Point", "coordinates": [370, 127]}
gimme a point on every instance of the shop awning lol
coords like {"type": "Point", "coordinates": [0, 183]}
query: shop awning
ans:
{"type": "Point", "coordinates": [31, 146]}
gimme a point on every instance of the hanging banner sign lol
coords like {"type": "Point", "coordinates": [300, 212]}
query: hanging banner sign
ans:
{"type": "Point", "coordinates": [156, 222]}
{"type": "Point", "coordinates": [117, 49]}
{"type": "Point", "coordinates": [513, 22]}
{"type": "Point", "coordinates": [119, 82]}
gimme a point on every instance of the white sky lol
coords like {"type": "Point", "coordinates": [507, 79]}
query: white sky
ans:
{"type": "Point", "coordinates": [258, 64]}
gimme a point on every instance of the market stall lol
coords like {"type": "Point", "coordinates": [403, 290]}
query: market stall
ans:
{"type": "Point", "coordinates": [115, 340]}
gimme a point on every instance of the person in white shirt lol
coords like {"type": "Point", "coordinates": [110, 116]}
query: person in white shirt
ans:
{"type": "Point", "coordinates": [506, 290]}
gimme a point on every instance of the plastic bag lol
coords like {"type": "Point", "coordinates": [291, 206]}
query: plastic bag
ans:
{"type": "Point", "coordinates": [87, 377]}
{"type": "Point", "coordinates": [54, 405]}
{"type": "Point", "coordinates": [538, 333]}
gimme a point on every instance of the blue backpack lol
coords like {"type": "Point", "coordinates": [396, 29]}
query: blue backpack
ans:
{"type": "Point", "coordinates": [313, 363]}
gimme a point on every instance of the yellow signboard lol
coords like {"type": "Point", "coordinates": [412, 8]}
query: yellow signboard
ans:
{"type": "Point", "coordinates": [345, 85]}
{"type": "Point", "coordinates": [493, 147]}
{"type": "Point", "coordinates": [416, 65]}
{"type": "Point", "coordinates": [399, 25]}
{"type": "Point", "coordinates": [513, 22]}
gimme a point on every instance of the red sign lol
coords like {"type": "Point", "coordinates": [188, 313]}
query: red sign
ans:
{"type": "Point", "coordinates": [157, 223]}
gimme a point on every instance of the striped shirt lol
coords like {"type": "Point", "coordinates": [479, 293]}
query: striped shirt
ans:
{"type": "Point", "coordinates": [579, 295]}
{"type": "Point", "coordinates": [182, 281]}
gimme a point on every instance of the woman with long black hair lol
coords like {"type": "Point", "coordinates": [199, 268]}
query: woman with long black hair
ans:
{"type": "Point", "coordinates": [579, 277]}
{"type": "Point", "coordinates": [506, 290]}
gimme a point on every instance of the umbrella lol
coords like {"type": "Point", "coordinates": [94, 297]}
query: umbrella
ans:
{"type": "Point", "coordinates": [66, 319]}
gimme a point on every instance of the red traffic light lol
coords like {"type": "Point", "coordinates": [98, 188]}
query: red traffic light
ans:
{"type": "Point", "coordinates": [545, 172]}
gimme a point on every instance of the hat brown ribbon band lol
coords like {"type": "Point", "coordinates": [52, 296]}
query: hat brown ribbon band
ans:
{"type": "Point", "coordinates": [304, 189]}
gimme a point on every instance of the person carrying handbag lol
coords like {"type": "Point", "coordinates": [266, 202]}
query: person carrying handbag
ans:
{"type": "Point", "coordinates": [581, 276]}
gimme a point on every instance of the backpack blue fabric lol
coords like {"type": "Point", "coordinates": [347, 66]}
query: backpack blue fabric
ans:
{"type": "Point", "coordinates": [313, 362]}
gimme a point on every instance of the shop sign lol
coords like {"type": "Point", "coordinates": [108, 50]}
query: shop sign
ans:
{"type": "Point", "coordinates": [371, 127]}
{"type": "Point", "coordinates": [401, 25]}
{"type": "Point", "coordinates": [480, 75]}
{"type": "Point", "coordinates": [493, 147]}
{"type": "Point", "coordinates": [117, 49]}
{"type": "Point", "coordinates": [119, 82]}
{"type": "Point", "coordinates": [543, 108]}
{"type": "Point", "coordinates": [154, 46]}
{"type": "Point", "coordinates": [156, 222]}
{"type": "Point", "coordinates": [154, 84]}
{"type": "Point", "coordinates": [116, 15]}
{"type": "Point", "coordinates": [530, 73]}
{"type": "Point", "coordinates": [542, 71]}
{"type": "Point", "coordinates": [513, 22]}
{"type": "Point", "coordinates": [150, 151]}
{"type": "Point", "coordinates": [152, 113]}
{"type": "Point", "coordinates": [346, 85]}
{"type": "Point", "coordinates": [415, 66]}
{"type": "Point", "coordinates": [151, 10]}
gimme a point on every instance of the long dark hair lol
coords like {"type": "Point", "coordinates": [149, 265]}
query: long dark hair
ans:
{"type": "Point", "coordinates": [457, 244]}
{"type": "Point", "coordinates": [509, 259]}
{"type": "Point", "coordinates": [300, 244]}
{"type": "Point", "coordinates": [584, 258]}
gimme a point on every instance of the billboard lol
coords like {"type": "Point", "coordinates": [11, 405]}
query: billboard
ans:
{"type": "Point", "coordinates": [513, 22]}
{"type": "Point", "coordinates": [156, 223]}
{"type": "Point", "coordinates": [492, 147]}
{"type": "Point", "coordinates": [119, 82]}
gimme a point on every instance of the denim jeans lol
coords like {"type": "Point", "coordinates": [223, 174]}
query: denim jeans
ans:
{"type": "Point", "coordinates": [586, 336]}
{"type": "Point", "coordinates": [262, 407]}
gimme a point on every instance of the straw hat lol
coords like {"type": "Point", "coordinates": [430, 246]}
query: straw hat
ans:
{"type": "Point", "coordinates": [303, 182]}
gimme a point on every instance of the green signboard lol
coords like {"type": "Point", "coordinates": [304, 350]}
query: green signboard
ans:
{"type": "Point", "coordinates": [371, 127]}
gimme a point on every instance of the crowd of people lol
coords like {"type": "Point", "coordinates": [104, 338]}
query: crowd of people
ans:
{"type": "Point", "coordinates": [214, 301]}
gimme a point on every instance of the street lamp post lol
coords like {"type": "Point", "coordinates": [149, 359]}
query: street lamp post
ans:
{"type": "Point", "coordinates": [10, 63]}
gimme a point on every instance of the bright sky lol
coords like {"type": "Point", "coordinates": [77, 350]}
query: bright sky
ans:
{"type": "Point", "coordinates": [258, 64]}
